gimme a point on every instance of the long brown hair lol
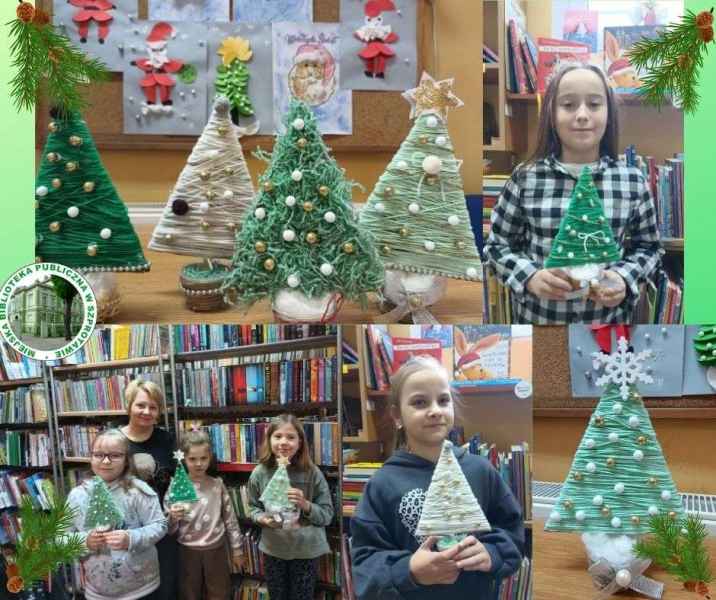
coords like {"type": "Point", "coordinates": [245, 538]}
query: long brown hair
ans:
{"type": "Point", "coordinates": [548, 141]}
{"type": "Point", "coordinates": [302, 458]}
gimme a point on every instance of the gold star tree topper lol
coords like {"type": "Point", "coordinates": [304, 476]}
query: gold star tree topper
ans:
{"type": "Point", "coordinates": [432, 97]}
{"type": "Point", "coordinates": [234, 48]}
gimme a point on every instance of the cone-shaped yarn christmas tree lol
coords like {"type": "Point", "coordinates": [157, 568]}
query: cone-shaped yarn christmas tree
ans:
{"type": "Point", "coordinates": [102, 511]}
{"type": "Point", "coordinates": [585, 236]}
{"type": "Point", "coordinates": [80, 220]}
{"type": "Point", "coordinates": [705, 345]}
{"type": "Point", "coordinates": [301, 234]}
{"type": "Point", "coordinates": [619, 477]}
{"type": "Point", "coordinates": [417, 212]}
{"type": "Point", "coordinates": [232, 79]}
{"type": "Point", "coordinates": [450, 510]}
{"type": "Point", "coordinates": [275, 495]}
{"type": "Point", "coordinates": [181, 489]}
{"type": "Point", "coordinates": [210, 197]}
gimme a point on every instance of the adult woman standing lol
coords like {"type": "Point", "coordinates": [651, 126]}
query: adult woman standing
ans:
{"type": "Point", "coordinates": [152, 450]}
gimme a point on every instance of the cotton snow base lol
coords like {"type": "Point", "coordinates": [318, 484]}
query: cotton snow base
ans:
{"type": "Point", "coordinates": [412, 294]}
{"type": "Point", "coordinates": [291, 306]}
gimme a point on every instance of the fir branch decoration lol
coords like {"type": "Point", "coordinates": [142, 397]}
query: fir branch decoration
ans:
{"type": "Point", "coordinates": [45, 59]}
{"type": "Point", "coordinates": [677, 546]}
{"type": "Point", "coordinates": [45, 543]}
{"type": "Point", "coordinates": [672, 61]}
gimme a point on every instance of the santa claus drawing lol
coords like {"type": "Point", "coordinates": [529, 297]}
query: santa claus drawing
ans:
{"type": "Point", "coordinates": [376, 38]}
{"type": "Point", "coordinates": [92, 10]}
{"type": "Point", "coordinates": [312, 79]}
{"type": "Point", "coordinates": [157, 67]}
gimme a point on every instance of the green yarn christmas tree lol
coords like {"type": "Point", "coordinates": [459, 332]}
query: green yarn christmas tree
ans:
{"type": "Point", "coordinates": [300, 233]}
{"type": "Point", "coordinates": [416, 212]}
{"type": "Point", "coordinates": [705, 345]}
{"type": "Point", "coordinates": [619, 477]}
{"type": "Point", "coordinates": [275, 495]}
{"type": "Point", "coordinates": [584, 235]}
{"type": "Point", "coordinates": [182, 488]}
{"type": "Point", "coordinates": [102, 511]}
{"type": "Point", "coordinates": [80, 220]}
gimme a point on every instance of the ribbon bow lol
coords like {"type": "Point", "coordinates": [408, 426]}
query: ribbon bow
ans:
{"type": "Point", "coordinates": [610, 580]}
{"type": "Point", "coordinates": [592, 237]}
{"type": "Point", "coordinates": [416, 304]}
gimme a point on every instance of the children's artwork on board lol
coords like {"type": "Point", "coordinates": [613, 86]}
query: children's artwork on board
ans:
{"type": "Point", "coordinates": [240, 56]}
{"type": "Point", "coordinates": [378, 44]}
{"type": "Point", "coordinates": [699, 377]}
{"type": "Point", "coordinates": [273, 11]}
{"type": "Point", "coordinates": [443, 333]}
{"type": "Point", "coordinates": [196, 11]}
{"type": "Point", "coordinates": [97, 27]}
{"type": "Point", "coordinates": [165, 80]}
{"type": "Point", "coordinates": [581, 26]}
{"type": "Point", "coordinates": [482, 352]}
{"type": "Point", "coordinates": [305, 67]}
{"type": "Point", "coordinates": [665, 365]}
{"type": "Point", "coordinates": [622, 76]}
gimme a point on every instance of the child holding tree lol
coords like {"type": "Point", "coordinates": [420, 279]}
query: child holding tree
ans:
{"type": "Point", "coordinates": [120, 520]}
{"type": "Point", "coordinates": [578, 127]}
{"type": "Point", "coordinates": [286, 476]}
{"type": "Point", "coordinates": [200, 510]}
{"type": "Point", "coordinates": [390, 559]}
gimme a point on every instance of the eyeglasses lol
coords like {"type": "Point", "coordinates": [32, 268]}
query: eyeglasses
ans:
{"type": "Point", "coordinates": [111, 456]}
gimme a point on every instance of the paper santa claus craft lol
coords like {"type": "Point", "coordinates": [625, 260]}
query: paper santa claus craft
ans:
{"type": "Point", "coordinates": [376, 38]}
{"type": "Point", "coordinates": [92, 10]}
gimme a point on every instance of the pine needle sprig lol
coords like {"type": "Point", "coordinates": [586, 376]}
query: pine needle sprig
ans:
{"type": "Point", "coordinates": [671, 62]}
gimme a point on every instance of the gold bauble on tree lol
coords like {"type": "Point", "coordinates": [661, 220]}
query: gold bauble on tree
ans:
{"type": "Point", "coordinates": [222, 130]}
{"type": "Point", "coordinates": [312, 237]}
{"type": "Point", "coordinates": [92, 250]}
{"type": "Point", "coordinates": [404, 232]}
{"type": "Point", "coordinates": [52, 127]}
{"type": "Point", "coordinates": [231, 225]}
{"type": "Point", "coordinates": [269, 264]}
{"type": "Point", "coordinates": [348, 248]}
{"type": "Point", "coordinates": [71, 166]}
{"type": "Point", "coordinates": [260, 246]}
{"type": "Point", "coordinates": [205, 225]}
{"type": "Point", "coordinates": [52, 156]}
{"type": "Point", "coordinates": [57, 183]}
{"type": "Point", "coordinates": [204, 175]}
{"type": "Point", "coordinates": [324, 190]}
{"type": "Point", "coordinates": [308, 206]}
{"type": "Point", "coordinates": [88, 186]}
{"type": "Point", "coordinates": [385, 249]}
{"type": "Point", "coordinates": [229, 170]}
{"type": "Point", "coordinates": [55, 226]}
{"type": "Point", "coordinates": [75, 140]}
{"type": "Point", "coordinates": [302, 143]}
{"type": "Point", "coordinates": [268, 186]}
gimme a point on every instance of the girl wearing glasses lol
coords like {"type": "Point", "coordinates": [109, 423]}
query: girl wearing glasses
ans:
{"type": "Point", "coordinates": [121, 563]}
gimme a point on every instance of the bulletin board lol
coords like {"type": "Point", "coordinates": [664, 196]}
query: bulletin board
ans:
{"type": "Point", "coordinates": [552, 396]}
{"type": "Point", "coordinates": [380, 119]}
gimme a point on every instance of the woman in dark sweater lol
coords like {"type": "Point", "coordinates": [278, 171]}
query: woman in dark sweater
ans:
{"type": "Point", "coordinates": [152, 451]}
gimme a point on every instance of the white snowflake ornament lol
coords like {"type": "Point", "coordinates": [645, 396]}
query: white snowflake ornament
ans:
{"type": "Point", "coordinates": [178, 455]}
{"type": "Point", "coordinates": [622, 367]}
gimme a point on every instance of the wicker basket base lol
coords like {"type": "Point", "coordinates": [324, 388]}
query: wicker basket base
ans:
{"type": "Point", "coordinates": [202, 286]}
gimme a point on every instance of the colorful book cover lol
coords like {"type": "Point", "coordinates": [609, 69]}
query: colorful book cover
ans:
{"type": "Point", "coordinates": [552, 54]}
{"type": "Point", "coordinates": [622, 76]}
{"type": "Point", "coordinates": [482, 353]}
{"type": "Point", "coordinates": [581, 26]}
{"type": "Point", "coordinates": [406, 348]}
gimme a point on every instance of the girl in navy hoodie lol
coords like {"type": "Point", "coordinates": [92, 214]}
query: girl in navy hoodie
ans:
{"type": "Point", "coordinates": [389, 561]}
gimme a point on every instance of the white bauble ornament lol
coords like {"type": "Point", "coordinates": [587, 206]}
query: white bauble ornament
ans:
{"type": "Point", "coordinates": [580, 515]}
{"type": "Point", "coordinates": [330, 217]}
{"type": "Point", "coordinates": [454, 220]}
{"type": "Point", "coordinates": [638, 455]}
{"type": "Point", "coordinates": [429, 245]}
{"type": "Point", "coordinates": [597, 500]}
{"type": "Point", "coordinates": [616, 522]}
{"type": "Point", "coordinates": [105, 233]}
{"type": "Point", "coordinates": [591, 467]}
{"type": "Point", "coordinates": [619, 488]}
{"type": "Point", "coordinates": [590, 443]}
{"type": "Point", "coordinates": [203, 207]}
{"type": "Point", "coordinates": [618, 408]}
{"type": "Point", "coordinates": [298, 124]}
{"type": "Point", "coordinates": [471, 272]}
{"type": "Point", "coordinates": [413, 208]}
{"type": "Point", "coordinates": [441, 140]}
{"type": "Point", "coordinates": [260, 213]}
{"type": "Point", "coordinates": [327, 269]}
{"type": "Point", "coordinates": [293, 280]}
{"type": "Point", "coordinates": [653, 511]}
{"type": "Point", "coordinates": [623, 578]}
{"type": "Point", "coordinates": [432, 164]}
{"type": "Point", "coordinates": [41, 191]}
{"type": "Point", "coordinates": [633, 421]}
{"type": "Point", "coordinates": [290, 200]}
{"type": "Point", "coordinates": [289, 235]}
{"type": "Point", "coordinates": [402, 165]}
{"type": "Point", "coordinates": [297, 175]}
{"type": "Point", "coordinates": [73, 211]}
{"type": "Point", "coordinates": [228, 195]}
{"type": "Point", "coordinates": [379, 207]}
{"type": "Point", "coordinates": [431, 122]}
{"type": "Point", "coordinates": [555, 517]}
{"type": "Point", "coordinates": [613, 437]}
{"type": "Point", "coordinates": [666, 495]}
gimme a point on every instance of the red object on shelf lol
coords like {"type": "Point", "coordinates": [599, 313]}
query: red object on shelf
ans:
{"type": "Point", "coordinates": [235, 467]}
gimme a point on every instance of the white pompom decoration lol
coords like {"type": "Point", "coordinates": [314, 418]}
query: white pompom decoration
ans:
{"type": "Point", "coordinates": [431, 122]}
{"type": "Point", "coordinates": [330, 217]}
{"type": "Point", "coordinates": [590, 443]}
{"type": "Point", "coordinates": [105, 233]}
{"type": "Point", "coordinates": [618, 408]}
{"type": "Point", "coordinates": [260, 213]}
{"type": "Point", "coordinates": [41, 191]}
{"type": "Point", "coordinates": [298, 124]}
{"type": "Point", "coordinates": [441, 140]}
{"type": "Point", "coordinates": [597, 500]}
{"type": "Point", "coordinates": [293, 280]}
{"type": "Point", "coordinates": [616, 522]}
{"type": "Point", "coordinates": [666, 495]}
{"type": "Point", "coordinates": [471, 272]}
{"type": "Point", "coordinates": [297, 175]}
{"type": "Point", "coordinates": [432, 164]}
{"type": "Point", "coordinates": [402, 165]}
{"type": "Point", "coordinates": [555, 517]}
{"type": "Point", "coordinates": [453, 220]}
{"type": "Point", "coordinates": [591, 467]}
{"type": "Point", "coordinates": [290, 200]}
{"type": "Point", "coordinates": [379, 207]}
{"type": "Point", "coordinates": [633, 421]}
{"type": "Point", "coordinates": [228, 195]}
{"type": "Point", "coordinates": [429, 245]}
{"type": "Point", "coordinates": [623, 578]}
{"type": "Point", "coordinates": [289, 235]}
{"type": "Point", "coordinates": [204, 207]}
{"type": "Point", "coordinates": [619, 488]}
{"type": "Point", "coordinates": [327, 269]}
{"type": "Point", "coordinates": [413, 208]}
{"type": "Point", "coordinates": [613, 437]}
{"type": "Point", "coordinates": [580, 515]}
{"type": "Point", "coordinates": [73, 211]}
{"type": "Point", "coordinates": [653, 511]}
{"type": "Point", "coordinates": [638, 455]}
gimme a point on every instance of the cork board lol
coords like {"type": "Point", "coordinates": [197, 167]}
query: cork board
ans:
{"type": "Point", "coordinates": [380, 119]}
{"type": "Point", "coordinates": [553, 390]}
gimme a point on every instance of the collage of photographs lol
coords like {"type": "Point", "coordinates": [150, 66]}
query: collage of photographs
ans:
{"type": "Point", "coordinates": [290, 331]}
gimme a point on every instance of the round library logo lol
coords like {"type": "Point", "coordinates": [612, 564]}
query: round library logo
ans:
{"type": "Point", "coordinates": [47, 311]}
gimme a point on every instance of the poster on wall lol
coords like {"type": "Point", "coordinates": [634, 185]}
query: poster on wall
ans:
{"type": "Point", "coordinates": [197, 11]}
{"type": "Point", "coordinates": [273, 11]}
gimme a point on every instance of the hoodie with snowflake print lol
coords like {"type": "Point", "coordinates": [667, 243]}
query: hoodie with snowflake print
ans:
{"type": "Point", "coordinates": [383, 538]}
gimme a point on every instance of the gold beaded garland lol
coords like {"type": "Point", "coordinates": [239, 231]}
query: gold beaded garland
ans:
{"type": "Point", "coordinates": [269, 264]}
{"type": "Point", "coordinates": [312, 237]}
{"type": "Point", "coordinates": [75, 140]}
{"type": "Point", "coordinates": [348, 248]}
{"type": "Point", "coordinates": [88, 186]}
{"type": "Point", "coordinates": [92, 250]}
{"type": "Point", "coordinates": [55, 226]}
{"type": "Point", "coordinates": [260, 247]}
{"type": "Point", "coordinates": [56, 183]}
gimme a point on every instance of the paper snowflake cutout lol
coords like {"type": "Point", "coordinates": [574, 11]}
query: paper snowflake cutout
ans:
{"type": "Point", "coordinates": [623, 368]}
{"type": "Point", "coordinates": [432, 97]}
{"type": "Point", "coordinates": [178, 455]}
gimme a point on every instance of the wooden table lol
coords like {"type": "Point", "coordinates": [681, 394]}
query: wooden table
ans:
{"type": "Point", "coordinates": [560, 570]}
{"type": "Point", "coordinates": [156, 297]}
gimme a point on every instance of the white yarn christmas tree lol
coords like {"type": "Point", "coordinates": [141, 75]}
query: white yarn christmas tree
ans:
{"type": "Point", "coordinates": [275, 496]}
{"type": "Point", "coordinates": [451, 510]}
{"type": "Point", "coordinates": [210, 197]}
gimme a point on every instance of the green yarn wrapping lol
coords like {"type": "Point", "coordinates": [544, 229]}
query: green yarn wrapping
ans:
{"type": "Point", "coordinates": [401, 235]}
{"type": "Point", "coordinates": [275, 495]}
{"type": "Point", "coordinates": [585, 236]}
{"type": "Point", "coordinates": [182, 488]}
{"type": "Point", "coordinates": [638, 495]}
{"type": "Point", "coordinates": [102, 510]}
{"type": "Point", "coordinates": [353, 274]}
{"type": "Point", "coordinates": [705, 345]}
{"type": "Point", "coordinates": [101, 208]}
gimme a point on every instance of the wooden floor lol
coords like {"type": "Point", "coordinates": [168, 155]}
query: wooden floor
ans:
{"type": "Point", "coordinates": [156, 297]}
{"type": "Point", "coordinates": [560, 569]}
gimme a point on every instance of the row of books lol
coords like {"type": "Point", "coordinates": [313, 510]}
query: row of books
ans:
{"type": "Point", "coordinates": [379, 359]}
{"type": "Point", "coordinates": [14, 365]}
{"type": "Point", "coordinates": [102, 393]}
{"type": "Point", "coordinates": [76, 440]}
{"type": "Point", "coordinates": [496, 298]}
{"type": "Point", "coordinates": [191, 338]}
{"type": "Point", "coordinates": [37, 486]}
{"type": "Point", "coordinates": [24, 448]}
{"type": "Point", "coordinates": [355, 476]}
{"type": "Point", "coordinates": [664, 301]}
{"type": "Point", "coordinates": [242, 442]}
{"type": "Point", "coordinates": [23, 405]}
{"type": "Point", "coordinates": [117, 342]}
{"type": "Point", "coordinates": [257, 590]}
{"type": "Point", "coordinates": [488, 55]}
{"type": "Point", "coordinates": [522, 59]}
{"type": "Point", "coordinates": [285, 382]}
{"type": "Point", "coordinates": [518, 586]}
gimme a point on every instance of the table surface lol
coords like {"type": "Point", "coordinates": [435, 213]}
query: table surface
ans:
{"type": "Point", "coordinates": [156, 297]}
{"type": "Point", "coordinates": [560, 570]}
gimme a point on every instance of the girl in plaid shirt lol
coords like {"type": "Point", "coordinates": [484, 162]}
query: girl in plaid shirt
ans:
{"type": "Point", "coordinates": [578, 126]}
